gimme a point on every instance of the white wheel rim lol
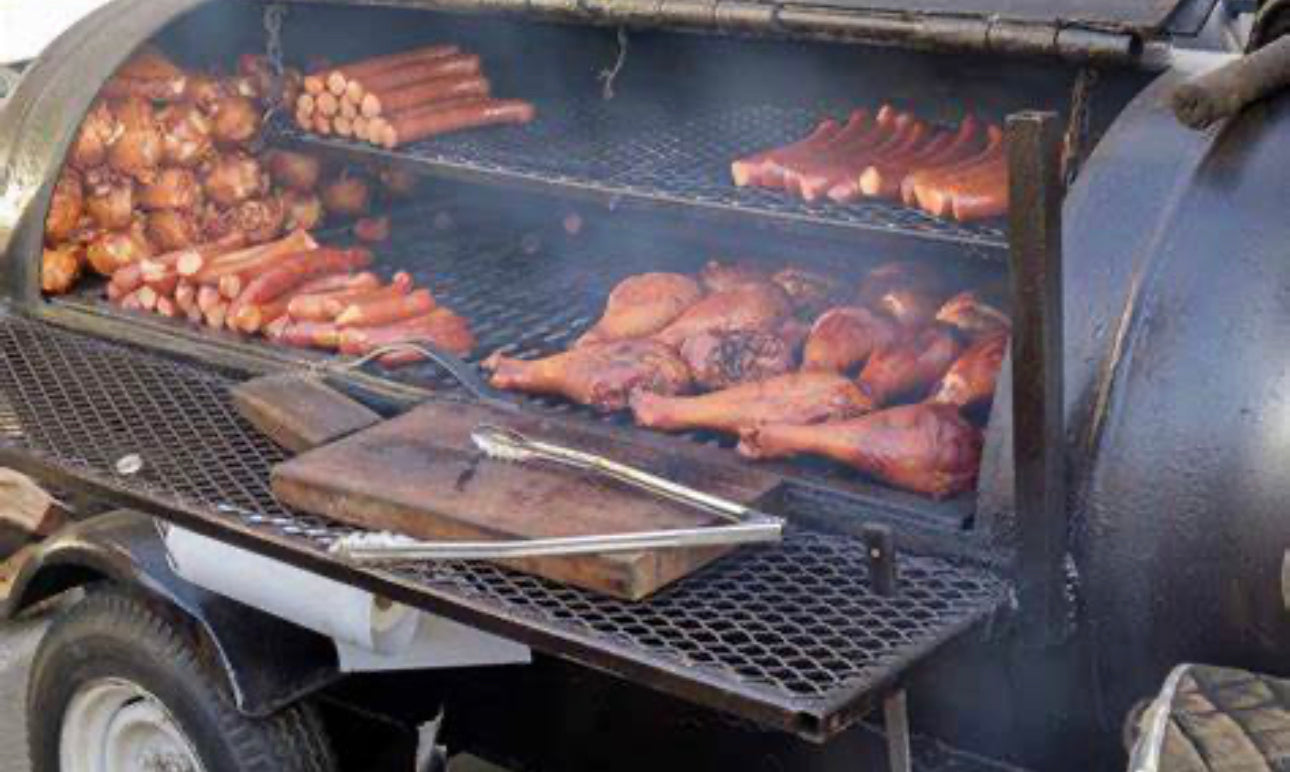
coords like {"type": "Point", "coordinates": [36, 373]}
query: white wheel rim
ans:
{"type": "Point", "coordinates": [112, 725]}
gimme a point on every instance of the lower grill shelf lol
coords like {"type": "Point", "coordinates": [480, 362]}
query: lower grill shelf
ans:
{"type": "Point", "coordinates": [790, 636]}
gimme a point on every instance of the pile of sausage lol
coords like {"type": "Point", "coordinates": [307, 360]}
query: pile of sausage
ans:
{"type": "Point", "coordinates": [292, 291]}
{"type": "Point", "coordinates": [959, 172]}
{"type": "Point", "coordinates": [399, 98]}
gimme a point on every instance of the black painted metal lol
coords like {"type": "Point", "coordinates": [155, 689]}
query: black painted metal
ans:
{"type": "Point", "coordinates": [979, 29]}
{"type": "Point", "coordinates": [881, 544]}
{"type": "Point", "coordinates": [1177, 388]}
{"type": "Point", "coordinates": [269, 663]}
{"type": "Point", "coordinates": [790, 636]}
{"type": "Point", "coordinates": [1038, 430]}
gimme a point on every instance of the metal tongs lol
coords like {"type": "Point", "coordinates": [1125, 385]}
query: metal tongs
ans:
{"type": "Point", "coordinates": [743, 525]}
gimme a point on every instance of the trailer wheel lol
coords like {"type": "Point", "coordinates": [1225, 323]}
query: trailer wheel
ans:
{"type": "Point", "coordinates": [121, 681]}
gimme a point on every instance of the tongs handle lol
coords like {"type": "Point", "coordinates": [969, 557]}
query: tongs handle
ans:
{"type": "Point", "coordinates": [638, 478]}
{"type": "Point", "coordinates": [383, 547]}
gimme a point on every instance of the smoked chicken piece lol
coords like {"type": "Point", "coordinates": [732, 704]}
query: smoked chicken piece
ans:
{"type": "Point", "coordinates": [795, 398]}
{"type": "Point", "coordinates": [970, 380]}
{"type": "Point", "coordinates": [185, 135]}
{"type": "Point", "coordinates": [171, 229]}
{"type": "Point", "coordinates": [928, 449]}
{"type": "Point", "coordinates": [910, 293]}
{"type": "Point", "coordinates": [910, 367]}
{"type": "Point", "coordinates": [97, 133]}
{"type": "Point", "coordinates": [137, 151]}
{"type": "Point", "coordinates": [812, 292]}
{"type": "Point", "coordinates": [974, 316]}
{"type": "Point", "coordinates": [109, 198]}
{"type": "Point", "coordinates": [60, 268]}
{"type": "Point", "coordinates": [642, 305]}
{"type": "Point", "coordinates": [843, 338]}
{"type": "Point", "coordinates": [601, 375]}
{"type": "Point", "coordinates": [173, 188]}
{"type": "Point", "coordinates": [234, 177]}
{"type": "Point", "coordinates": [747, 307]}
{"type": "Point", "coordinates": [722, 360]}
{"type": "Point", "coordinates": [719, 277]}
{"type": "Point", "coordinates": [261, 219]}
{"type": "Point", "coordinates": [65, 207]}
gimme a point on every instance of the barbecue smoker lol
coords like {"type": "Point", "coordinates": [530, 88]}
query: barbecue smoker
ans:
{"type": "Point", "coordinates": [1128, 514]}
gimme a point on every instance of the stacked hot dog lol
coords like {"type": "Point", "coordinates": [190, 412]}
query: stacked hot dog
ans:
{"type": "Point", "coordinates": [292, 291]}
{"type": "Point", "coordinates": [400, 98]}
{"type": "Point", "coordinates": [958, 172]}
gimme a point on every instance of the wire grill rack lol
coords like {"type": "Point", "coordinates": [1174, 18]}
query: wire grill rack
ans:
{"type": "Point", "coordinates": [789, 636]}
{"type": "Point", "coordinates": [650, 155]}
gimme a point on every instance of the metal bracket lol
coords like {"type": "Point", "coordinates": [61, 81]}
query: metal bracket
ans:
{"type": "Point", "coordinates": [1075, 144]}
{"type": "Point", "coordinates": [1039, 431]}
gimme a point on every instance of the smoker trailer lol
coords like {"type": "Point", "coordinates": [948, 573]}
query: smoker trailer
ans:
{"type": "Point", "coordinates": [1130, 509]}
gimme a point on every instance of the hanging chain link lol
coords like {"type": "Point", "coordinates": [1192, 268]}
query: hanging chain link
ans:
{"type": "Point", "coordinates": [274, 13]}
{"type": "Point", "coordinates": [1077, 126]}
{"type": "Point", "coordinates": [273, 16]}
{"type": "Point", "coordinates": [609, 74]}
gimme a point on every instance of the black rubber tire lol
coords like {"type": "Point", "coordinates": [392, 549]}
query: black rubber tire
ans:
{"type": "Point", "coordinates": [120, 633]}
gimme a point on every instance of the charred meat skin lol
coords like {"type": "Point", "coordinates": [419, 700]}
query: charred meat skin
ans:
{"type": "Point", "coordinates": [718, 276]}
{"type": "Point", "coordinates": [909, 368]}
{"type": "Point", "coordinates": [601, 375]}
{"type": "Point", "coordinates": [911, 293]}
{"type": "Point", "coordinates": [974, 316]}
{"type": "Point", "coordinates": [795, 398]}
{"type": "Point", "coordinates": [747, 307]}
{"type": "Point", "coordinates": [642, 305]}
{"type": "Point", "coordinates": [721, 360]}
{"type": "Point", "coordinates": [927, 449]}
{"type": "Point", "coordinates": [843, 338]}
{"type": "Point", "coordinates": [970, 381]}
{"type": "Point", "coordinates": [812, 292]}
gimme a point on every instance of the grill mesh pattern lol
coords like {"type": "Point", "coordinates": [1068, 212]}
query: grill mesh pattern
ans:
{"type": "Point", "coordinates": [651, 154]}
{"type": "Point", "coordinates": [793, 627]}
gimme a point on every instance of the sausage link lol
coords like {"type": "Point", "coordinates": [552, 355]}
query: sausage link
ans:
{"type": "Point", "coordinates": [847, 188]}
{"type": "Point", "coordinates": [340, 76]}
{"type": "Point", "coordinates": [310, 334]}
{"type": "Point", "coordinates": [210, 271]}
{"type": "Point", "coordinates": [423, 123]}
{"type": "Point", "coordinates": [325, 307]}
{"type": "Point", "coordinates": [387, 310]}
{"type": "Point", "coordinates": [441, 328]}
{"type": "Point", "coordinates": [884, 180]}
{"type": "Point", "coordinates": [456, 66]}
{"type": "Point", "coordinates": [860, 131]}
{"type": "Point", "coordinates": [377, 103]}
{"type": "Point", "coordinates": [909, 185]}
{"type": "Point", "coordinates": [937, 197]}
{"type": "Point", "coordinates": [247, 312]}
{"type": "Point", "coordinates": [749, 170]}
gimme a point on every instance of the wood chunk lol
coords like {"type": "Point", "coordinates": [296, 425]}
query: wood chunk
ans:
{"type": "Point", "coordinates": [300, 412]}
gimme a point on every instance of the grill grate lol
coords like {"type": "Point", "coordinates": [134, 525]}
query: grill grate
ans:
{"type": "Point", "coordinates": [648, 154]}
{"type": "Point", "coordinates": [776, 633]}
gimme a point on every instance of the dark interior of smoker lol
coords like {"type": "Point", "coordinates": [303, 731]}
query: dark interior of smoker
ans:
{"type": "Point", "coordinates": [645, 171]}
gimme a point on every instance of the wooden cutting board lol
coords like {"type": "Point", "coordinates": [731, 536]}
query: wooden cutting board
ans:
{"type": "Point", "coordinates": [419, 474]}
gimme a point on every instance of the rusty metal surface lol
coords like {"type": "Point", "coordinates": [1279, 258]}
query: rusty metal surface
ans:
{"type": "Point", "coordinates": [789, 636]}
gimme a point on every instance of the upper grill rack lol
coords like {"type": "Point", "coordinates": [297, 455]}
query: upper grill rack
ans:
{"type": "Point", "coordinates": [650, 156]}
{"type": "Point", "coordinates": [790, 636]}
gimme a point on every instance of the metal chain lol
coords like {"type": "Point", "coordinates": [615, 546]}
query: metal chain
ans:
{"type": "Point", "coordinates": [608, 74]}
{"type": "Point", "coordinates": [273, 16]}
{"type": "Point", "coordinates": [1077, 126]}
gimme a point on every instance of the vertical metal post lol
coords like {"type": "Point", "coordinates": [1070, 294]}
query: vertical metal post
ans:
{"type": "Point", "coordinates": [1039, 434]}
{"type": "Point", "coordinates": [895, 719]}
{"type": "Point", "coordinates": [880, 544]}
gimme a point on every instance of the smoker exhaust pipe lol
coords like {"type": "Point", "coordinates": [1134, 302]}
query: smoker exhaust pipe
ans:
{"type": "Point", "coordinates": [1039, 432]}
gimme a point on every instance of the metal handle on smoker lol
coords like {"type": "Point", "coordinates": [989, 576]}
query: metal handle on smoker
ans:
{"type": "Point", "coordinates": [1225, 91]}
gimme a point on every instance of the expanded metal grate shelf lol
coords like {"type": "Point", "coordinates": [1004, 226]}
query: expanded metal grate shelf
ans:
{"type": "Point", "coordinates": [648, 155]}
{"type": "Point", "coordinates": [790, 636]}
